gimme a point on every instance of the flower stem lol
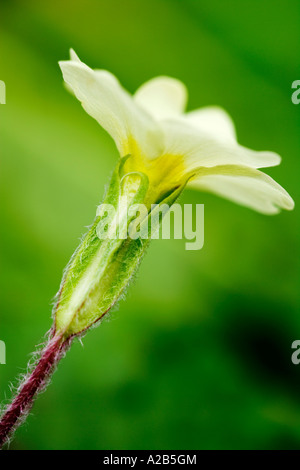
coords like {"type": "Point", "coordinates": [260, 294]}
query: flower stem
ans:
{"type": "Point", "coordinates": [34, 383]}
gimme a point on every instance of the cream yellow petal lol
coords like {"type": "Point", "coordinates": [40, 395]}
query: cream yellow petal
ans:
{"type": "Point", "coordinates": [201, 148]}
{"type": "Point", "coordinates": [162, 97]}
{"type": "Point", "coordinates": [102, 96]}
{"type": "Point", "coordinates": [245, 186]}
{"type": "Point", "coordinates": [213, 120]}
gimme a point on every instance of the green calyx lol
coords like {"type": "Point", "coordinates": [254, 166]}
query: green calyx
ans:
{"type": "Point", "coordinates": [110, 252]}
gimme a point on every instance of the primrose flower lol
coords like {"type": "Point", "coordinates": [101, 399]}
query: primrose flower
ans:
{"type": "Point", "coordinates": [172, 147]}
{"type": "Point", "coordinates": [162, 149]}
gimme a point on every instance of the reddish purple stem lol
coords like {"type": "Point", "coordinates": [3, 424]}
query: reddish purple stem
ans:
{"type": "Point", "coordinates": [36, 381]}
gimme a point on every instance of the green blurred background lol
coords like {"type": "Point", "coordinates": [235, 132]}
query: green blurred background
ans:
{"type": "Point", "coordinates": [199, 354]}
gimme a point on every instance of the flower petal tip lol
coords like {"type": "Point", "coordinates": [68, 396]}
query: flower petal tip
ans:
{"type": "Point", "coordinates": [73, 55]}
{"type": "Point", "coordinates": [272, 158]}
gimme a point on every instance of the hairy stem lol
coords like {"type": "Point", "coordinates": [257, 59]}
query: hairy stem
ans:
{"type": "Point", "coordinates": [34, 383]}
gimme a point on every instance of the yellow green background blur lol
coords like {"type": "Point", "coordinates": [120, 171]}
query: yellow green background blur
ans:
{"type": "Point", "coordinates": [199, 354]}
